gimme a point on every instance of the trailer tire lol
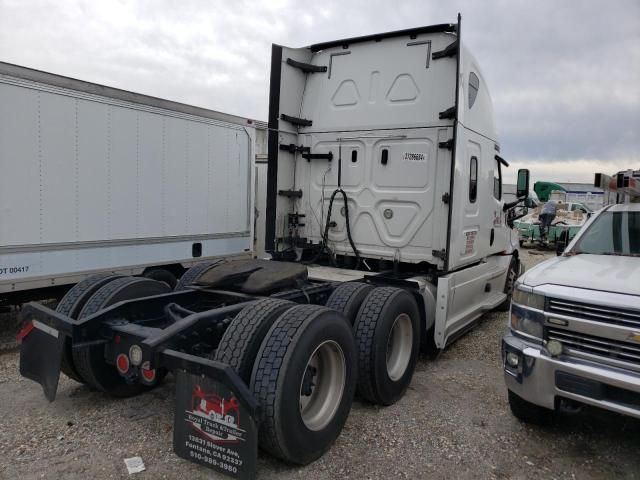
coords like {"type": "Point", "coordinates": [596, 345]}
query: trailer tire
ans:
{"type": "Point", "coordinates": [304, 377]}
{"type": "Point", "coordinates": [162, 275]}
{"type": "Point", "coordinates": [348, 298]}
{"type": "Point", "coordinates": [389, 318]}
{"type": "Point", "coordinates": [193, 274]}
{"type": "Point", "coordinates": [512, 276]}
{"type": "Point", "coordinates": [241, 340]}
{"type": "Point", "coordinates": [90, 360]}
{"type": "Point", "coordinates": [529, 412]}
{"type": "Point", "coordinates": [70, 305]}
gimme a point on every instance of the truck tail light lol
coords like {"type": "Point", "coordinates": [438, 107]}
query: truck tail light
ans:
{"type": "Point", "coordinates": [122, 363]}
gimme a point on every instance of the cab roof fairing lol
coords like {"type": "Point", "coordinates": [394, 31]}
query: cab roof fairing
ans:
{"type": "Point", "coordinates": [480, 117]}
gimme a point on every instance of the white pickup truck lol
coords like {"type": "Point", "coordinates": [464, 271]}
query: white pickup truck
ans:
{"type": "Point", "coordinates": [574, 331]}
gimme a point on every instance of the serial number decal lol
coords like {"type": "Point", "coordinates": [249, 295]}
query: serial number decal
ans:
{"type": "Point", "coordinates": [470, 240]}
{"type": "Point", "coordinates": [12, 270]}
{"type": "Point", "coordinates": [414, 157]}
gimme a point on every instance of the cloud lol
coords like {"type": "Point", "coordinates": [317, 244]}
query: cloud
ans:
{"type": "Point", "coordinates": [563, 75]}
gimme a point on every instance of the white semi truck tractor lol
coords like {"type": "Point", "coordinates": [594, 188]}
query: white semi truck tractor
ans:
{"type": "Point", "coordinates": [387, 230]}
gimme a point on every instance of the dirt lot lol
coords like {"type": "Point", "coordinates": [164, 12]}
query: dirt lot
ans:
{"type": "Point", "coordinates": [454, 422]}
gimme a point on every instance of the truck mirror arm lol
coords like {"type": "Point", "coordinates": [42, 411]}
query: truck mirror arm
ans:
{"type": "Point", "coordinates": [509, 205]}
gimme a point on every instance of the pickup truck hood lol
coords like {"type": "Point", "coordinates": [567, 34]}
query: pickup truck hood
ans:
{"type": "Point", "coordinates": [609, 273]}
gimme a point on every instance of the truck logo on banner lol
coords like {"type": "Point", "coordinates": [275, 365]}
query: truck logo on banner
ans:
{"type": "Point", "coordinates": [214, 417]}
{"type": "Point", "coordinates": [212, 428]}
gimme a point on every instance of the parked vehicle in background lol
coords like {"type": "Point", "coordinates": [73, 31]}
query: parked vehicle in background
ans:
{"type": "Point", "coordinates": [574, 332]}
{"type": "Point", "coordinates": [569, 219]}
{"type": "Point", "coordinates": [98, 179]}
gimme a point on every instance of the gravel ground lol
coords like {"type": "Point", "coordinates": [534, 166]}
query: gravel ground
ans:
{"type": "Point", "coordinates": [454, 422]}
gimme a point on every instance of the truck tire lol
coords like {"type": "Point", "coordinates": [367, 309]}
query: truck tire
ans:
{"type": "Point", "coordinates": [387, 331]}
{"type": "Point", "coordinates": [162, 275]}
{"type": "Point", "coordinates": [193, 274]}
{"type": "Point", "coordinates": [70, 305]}
{"type": "Point", "coordinates": [241, 340]}
{"type": "Point", "coordinates": [512, 276]}
{"type": "Point", "coordinates": [304, 377]}
{"type": "Point", "coordinates": [529, 412]}
{"type": "Point", "coordinates": [90, 360]}
{"type": "Point", "coordinates": [348, 298]}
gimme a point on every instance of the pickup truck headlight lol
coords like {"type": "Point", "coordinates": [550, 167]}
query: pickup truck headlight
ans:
{"type": "Point", "coordinates": [528, 322]}
{"type": "Point", "coordinates": [527, 299]}
{"type": "Point", "coordinates": [524, 319]}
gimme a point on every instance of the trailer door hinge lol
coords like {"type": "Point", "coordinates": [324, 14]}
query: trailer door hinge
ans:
{"type": "Point", "coordinates": [441, 254]}
{"type": "Point", "coordinates": [306, 67]}
{"type": "Point", "coordinates": [446, 197]}
{"type": "Point", "coordinates": [290, 193]}
{"type": "Point", "coordinates": [448, 144]}
{"type": "Point", "coordinates": [449, 51]}
{"type": "Point", "coordinates": [303, 122]}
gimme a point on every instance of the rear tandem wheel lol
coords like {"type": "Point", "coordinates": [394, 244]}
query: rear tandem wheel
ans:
{"type": "Point", "coordinates": [304, 377]}
{"type": "Point", "coordinates": [71, 305]}
{"type": "Point", "coordinates": [90, 361]}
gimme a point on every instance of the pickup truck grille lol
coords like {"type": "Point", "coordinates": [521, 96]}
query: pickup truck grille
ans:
{"type": "Point", "coordinates": [596, 313]}
{"type": "Point", "coordinates": [604, 347]}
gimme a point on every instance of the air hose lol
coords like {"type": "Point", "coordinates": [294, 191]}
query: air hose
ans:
{"type": "Point", "coordinates": [325, 237]}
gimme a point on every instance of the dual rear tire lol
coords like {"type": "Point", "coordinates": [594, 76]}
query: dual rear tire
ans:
{"type": "Point", "coordinates": [312, 359]}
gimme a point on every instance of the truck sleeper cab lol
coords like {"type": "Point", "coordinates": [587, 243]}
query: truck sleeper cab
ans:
{"type": "Point", "coordinates": [386, 224]}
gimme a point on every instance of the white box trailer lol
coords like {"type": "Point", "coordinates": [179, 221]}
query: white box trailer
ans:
{"type": "Point", "coordinates": [94, 178]}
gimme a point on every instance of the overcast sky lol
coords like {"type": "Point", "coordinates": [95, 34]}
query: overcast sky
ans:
{"type": "Point", "coordinates": [564, 75]}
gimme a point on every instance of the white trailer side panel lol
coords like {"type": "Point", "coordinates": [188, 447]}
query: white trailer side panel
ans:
{"type": "Point", "coordinates": [91, 182]}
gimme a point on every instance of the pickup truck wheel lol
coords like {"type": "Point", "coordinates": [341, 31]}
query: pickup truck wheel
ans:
{"type": "Point", "coordinates": [90, 361]}
{"type": "Point", "coordinates": [70, 305]}
{"type": "Point", "coordinates": [193, 274]}
{"type": "Point", "coordinates": [241, 340]}
{"type": "Point", "coordinates": [512, 276]}
{"type": "Point", "coordinates": [529, 412]}
{"type": "Point", "coordinates": [348, 297]}
{"type": "Point", "coordinates": [304, 377]}
{"type": "Point", "coordinates": [387, 331]}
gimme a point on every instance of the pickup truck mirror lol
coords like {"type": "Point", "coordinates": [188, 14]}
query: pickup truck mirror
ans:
{"type": "Point", "coordinates": [522, 187]}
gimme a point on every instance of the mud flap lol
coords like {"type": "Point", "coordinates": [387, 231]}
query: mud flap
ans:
{"type": "Point", "coordinates": [215, 419]}
{"type": "Point", "coordinates": [41, 355]}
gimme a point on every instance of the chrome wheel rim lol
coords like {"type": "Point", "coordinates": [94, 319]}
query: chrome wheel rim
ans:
{"type": "Point", "coordinates": [322, 385]}
{"type": "Point", "coordinates": [399, 347]}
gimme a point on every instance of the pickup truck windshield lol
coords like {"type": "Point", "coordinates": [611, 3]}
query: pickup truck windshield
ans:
{"type": "Point", "coordinates": [612, 233]}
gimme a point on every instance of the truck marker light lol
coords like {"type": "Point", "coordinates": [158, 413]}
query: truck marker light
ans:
{"type": "Point", "coordinates": [24, 331]}
{"type": "Point", "coordinates": [122, 363]}
{"type": "Point", "coordinates": [135, 354]}
{"type": "Point", "coordinates": [554, 347]}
